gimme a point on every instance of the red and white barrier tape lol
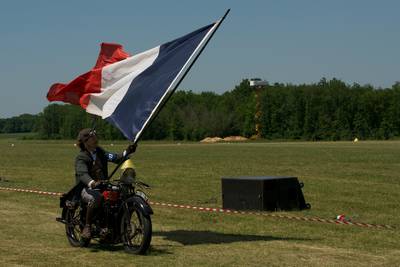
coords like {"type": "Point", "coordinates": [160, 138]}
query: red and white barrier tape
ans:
{"type": "Point", "coordinates": [227, 211]}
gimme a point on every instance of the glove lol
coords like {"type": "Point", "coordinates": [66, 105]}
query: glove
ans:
{"type": "Point", "coordinates": [97, 183]}
{"type": "Point", "coordinates": [130, 149]}
{"type": "Point", "coordinates": [93, 184]}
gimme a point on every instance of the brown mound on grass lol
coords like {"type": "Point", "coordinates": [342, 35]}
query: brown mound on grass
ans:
{"type": "Point", "coordinates": [235, 138]}
{"type": "Point", "coordinates": [226, 139]}
{"type": "Point", "coordinates": [211, 140]}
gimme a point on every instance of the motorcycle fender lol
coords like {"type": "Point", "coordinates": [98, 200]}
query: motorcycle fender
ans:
{"type": "Point", "coordinates": [140, 204]}
{"type": "Point", "coordinates": [64, 214]}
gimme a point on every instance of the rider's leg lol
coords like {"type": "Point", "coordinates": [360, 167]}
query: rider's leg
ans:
{"type": "Point", "coordinates": [86, 231]}
{"type": "Point", "coordinates": [93, 199]}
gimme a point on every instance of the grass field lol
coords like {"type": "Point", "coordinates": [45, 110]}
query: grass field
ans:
{"type": "Point", "coordinates": [360, 180]}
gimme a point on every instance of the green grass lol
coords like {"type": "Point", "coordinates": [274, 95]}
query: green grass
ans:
{"type": "Point", "coordinates": [360, 180]}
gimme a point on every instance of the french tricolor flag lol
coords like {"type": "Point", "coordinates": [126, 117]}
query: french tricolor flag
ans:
{"type": "Point", "coordinates": [129, 91]}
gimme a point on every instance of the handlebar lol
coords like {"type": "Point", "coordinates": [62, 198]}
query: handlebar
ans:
{"type": "Point", "coordinates": [109, 182]}
{"type": "Point", "coordinates": [102, 184]}
{"type": "Point", "coordinates": [138, 183]}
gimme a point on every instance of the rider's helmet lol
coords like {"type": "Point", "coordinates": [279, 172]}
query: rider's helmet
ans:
{"type": "Point", "coordinates": [83, 136]}
{"type": "Point", "coordinates": [129, 174]}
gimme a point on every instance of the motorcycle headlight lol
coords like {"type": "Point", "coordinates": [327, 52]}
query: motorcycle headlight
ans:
{"type": "Point", "coordinates": [128, 176]}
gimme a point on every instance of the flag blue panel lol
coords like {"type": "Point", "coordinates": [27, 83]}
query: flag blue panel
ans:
{"type": "Point", "coordinates": [147, 89]}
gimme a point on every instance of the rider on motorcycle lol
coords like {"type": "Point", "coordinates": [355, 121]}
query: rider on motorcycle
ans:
{"type": "Point", "coordinates": [91, 168]}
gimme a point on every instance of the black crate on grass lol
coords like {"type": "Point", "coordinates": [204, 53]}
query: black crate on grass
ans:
{"type": "Point", "coordinates": [270, 193]}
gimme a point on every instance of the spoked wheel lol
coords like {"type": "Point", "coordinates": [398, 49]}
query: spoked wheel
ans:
{"type": "Point", "coordinates": [73, 227]}
{"type": "Point", "coordinates": [136, 231]}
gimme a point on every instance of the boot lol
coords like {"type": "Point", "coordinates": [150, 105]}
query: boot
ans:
{"type": "Point", "coordinates": [87, 231]}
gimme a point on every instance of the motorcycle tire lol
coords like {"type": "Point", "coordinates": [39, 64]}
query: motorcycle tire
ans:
{"type": "Point", "coordinates": [136, 231]}
{"type": "Point", "coordinates": [73, 227]}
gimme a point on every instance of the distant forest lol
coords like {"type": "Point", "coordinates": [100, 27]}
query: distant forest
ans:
{"type": "Point", "coordinates": [327, 110]}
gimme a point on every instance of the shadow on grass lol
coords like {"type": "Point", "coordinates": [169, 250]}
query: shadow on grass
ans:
{"type": "Point", "coordinates": [97, 247]}
{"type": "Point", "coordinates": [186, 237]}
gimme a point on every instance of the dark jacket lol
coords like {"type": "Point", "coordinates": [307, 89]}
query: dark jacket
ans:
{"type": "Point", "coordinates": [88, 169]}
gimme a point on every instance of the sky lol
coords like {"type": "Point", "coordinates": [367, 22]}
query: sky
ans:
{"type": "Point", "coordinates": [44, 42]}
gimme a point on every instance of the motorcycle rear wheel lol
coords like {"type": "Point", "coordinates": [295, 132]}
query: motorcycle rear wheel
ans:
{"type": "Point", "coordinates": [136, 231]}
{"type": "Point", "coordinates": [73, 227]}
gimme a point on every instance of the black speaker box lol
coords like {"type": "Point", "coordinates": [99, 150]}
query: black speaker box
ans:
{"type": "Point", "coordinates": [263, 193]}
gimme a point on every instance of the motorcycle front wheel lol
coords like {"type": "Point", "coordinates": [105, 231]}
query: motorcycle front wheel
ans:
{"type": "Point", "coordinates": [136, 231]}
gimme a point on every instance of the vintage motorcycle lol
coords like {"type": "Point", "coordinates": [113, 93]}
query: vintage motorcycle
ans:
{"type": "Point", "coordinates": [124, 215]}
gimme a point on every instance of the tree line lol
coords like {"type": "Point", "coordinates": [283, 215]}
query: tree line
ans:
{"type": "Point", "coordinates": [327, 110]}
